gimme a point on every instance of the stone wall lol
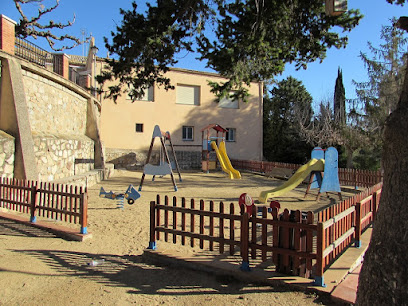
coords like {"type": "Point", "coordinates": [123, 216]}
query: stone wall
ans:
{"type": "Point", "coordinates": [189, 160]}
{"type": "Point", "coordinates": [58, 120]}
{"type": "Point", "coordinates": [59, 157]}
{"type": "Point", "coordinates": [7, 149]}
{"type": "Point", "coordinates": [54, 109]}
{"type": "Point", "coordinates": [132, 160]}
{"type": "Point", "coordinates": [54, 121]}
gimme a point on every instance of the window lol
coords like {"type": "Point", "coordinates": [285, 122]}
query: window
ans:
{"type": "Point", "coordinates": [228, 102]}
{"type": "Point", "coordinates": [188, 133]}
{"type": "Point", "coordinates": [187, 94]}
{"type": "Point", "coordinates": [139, 127]}
{"type": "Point", "coordinates": [230, 136]}
{"type": "Point", "coordinates": [148, 95]}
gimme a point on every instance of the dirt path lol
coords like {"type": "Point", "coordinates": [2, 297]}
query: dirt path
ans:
{"type": "Point", "coordinates": [38, 269]}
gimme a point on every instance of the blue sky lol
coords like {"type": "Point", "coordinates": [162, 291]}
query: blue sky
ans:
{"type": "Point", "coordinates": [99, 18]}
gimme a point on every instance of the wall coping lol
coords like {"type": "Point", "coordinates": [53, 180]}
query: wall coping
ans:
{"type": "Point", "coordinates": [8, 19]}
{"type": "Point", "coordinates": [4, 135]}
{"type": "Point", "coordinates": [26, 65]}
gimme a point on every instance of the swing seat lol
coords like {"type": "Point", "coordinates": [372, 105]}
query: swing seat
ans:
{"type": "Point", "coordinates": [162, 169]}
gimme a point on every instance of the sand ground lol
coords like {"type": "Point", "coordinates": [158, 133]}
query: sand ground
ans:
{"type": "Point", "coordinates": [36, 268]}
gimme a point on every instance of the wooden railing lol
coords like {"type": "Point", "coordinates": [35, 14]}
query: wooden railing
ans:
{"type": "Point", "coordinates": [52, 201]}
{"type": "Point", "coordinates": [348, 177]}
{"type": "Point", "coordinates": [298, 243]}
{"type": "Point", "coordinates": [191, 222]}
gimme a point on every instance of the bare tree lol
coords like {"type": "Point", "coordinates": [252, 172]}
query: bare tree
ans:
{"type": "Point", "coordinates": [320, 131]}
{"type": "Point", "coordinates": [32, 26]}
{"type": "Point", "coordinates": [324, 130]}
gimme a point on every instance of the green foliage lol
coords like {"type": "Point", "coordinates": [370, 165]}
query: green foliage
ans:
{"type": "Point", "coordinates": [252, 40]}
{"type": "Point", "coordinates": [289, 100]}
{"type": "Point", "coordinates": [380, 94]}
{"type": "Point", "coordinates": [340, 99]}
{"type": "Point", "coordinates": [400, 2]}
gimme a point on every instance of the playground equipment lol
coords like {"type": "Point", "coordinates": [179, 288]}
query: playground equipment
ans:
{"type": "Point", "coordinates": [246, 203]}
{"type": "Point", "coordinates": [323, 161]}
{"type": "Point", "coordinates": [211, 143]}
{"type": "Point", "coordinates": [164, 167]}
{"type": "Point", "coordinates": [131, 195]}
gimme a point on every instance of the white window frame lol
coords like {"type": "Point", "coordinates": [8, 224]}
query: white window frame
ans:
{"type": "Point", "coordinates": [185, 133]}
{"type": "Point", "coordinates": [228, 102]}
{"type": "Point", "coordinates": [188, 94]}
{"type": "Point", "coordinates": [231, 137]}
{"type": "Point", "coordinates": [148, 95]}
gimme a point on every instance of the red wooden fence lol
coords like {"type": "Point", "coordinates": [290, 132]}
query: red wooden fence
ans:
{"type": "Point", "coordinates": [192, 222]}
{"type": "Point", "coordinates": [53, 201]}
{"type": "Point", "coordinates": [295, 242]}
{"type": "Point", "coordinates": [348, 177]}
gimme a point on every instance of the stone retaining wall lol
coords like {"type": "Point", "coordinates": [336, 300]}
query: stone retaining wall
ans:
{"type": "Point", "coordinates": [53, 109]}
{"type": "Point", "coordinates": [7, 149]}
{"type": "Point", "coordinates": [132, 160]}
{"type": "Point", "coordinates": [59, 157]}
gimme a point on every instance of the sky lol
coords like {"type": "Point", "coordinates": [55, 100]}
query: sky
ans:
{"type": "Point", "coordinates": [100, 17]}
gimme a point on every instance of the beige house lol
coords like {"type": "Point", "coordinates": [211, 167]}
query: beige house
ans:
{"type": "Point", "coordinates": [53, 127]}
{"type": "Point", "coordinates": [128, 126]}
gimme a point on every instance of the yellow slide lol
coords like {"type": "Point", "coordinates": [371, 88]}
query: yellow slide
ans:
{"type": "Point", "coordinates": [294, 181]}
{"type": "Point", "coordinates": [224, 160]}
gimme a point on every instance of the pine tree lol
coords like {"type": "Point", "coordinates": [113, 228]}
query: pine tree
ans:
{"type": "Point", "coordinates": [340, 99]}
{"type": "Point", "coordinates": [380, 94]}
{"type": "Point", "coordinates": [251, 40]}
{"type": "Point", "coordinates": [288, 104]}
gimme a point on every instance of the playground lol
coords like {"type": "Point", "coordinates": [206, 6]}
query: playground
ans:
{"type": "Point", "coordinates": [32, 260]}
{"type": "Point", "coordinates": [215, 186]}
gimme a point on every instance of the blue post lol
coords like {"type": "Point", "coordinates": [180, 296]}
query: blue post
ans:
{"type": "Point", "coordinates": [84, 230]}
{"type": "Point", "coordinates": [33, 219]}
{"type": "Point", "coordinates": [245, 266]}
{"type": "Point", "coordinates": [357, 244]}
{"type": "Point", "coordinates": [331, 172]}
{"type": "Point", "coordinates": [319, 281]}
{"type": "Point", "coordinates": [152, 245]}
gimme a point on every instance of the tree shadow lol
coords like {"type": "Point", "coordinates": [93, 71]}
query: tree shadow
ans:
{"type": "Point", "coordinates": [142, 278]}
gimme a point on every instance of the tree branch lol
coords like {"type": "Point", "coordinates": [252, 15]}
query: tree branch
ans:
{"type": "Point", "coordinates": [32, 27]}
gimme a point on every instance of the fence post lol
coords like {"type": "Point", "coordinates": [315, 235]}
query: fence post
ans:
{"type": "Point", "coordinates": [374, 204]}
{"type": "Point", "coordinates": [152, 242]}
{"type": "Point", "coordinates": [244, 242]}
{"type": "Point", "coordinates": [84, 212]}
{"type": "Point", "coordinates": [357, 243]}
{"type": "Point", "coordinates": [33, 204]}
{"type": "Point", "coordinates": [319, 278]}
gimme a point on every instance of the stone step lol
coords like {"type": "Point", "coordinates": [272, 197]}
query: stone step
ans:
{"type": "Point", "coordinates": [89, 178]}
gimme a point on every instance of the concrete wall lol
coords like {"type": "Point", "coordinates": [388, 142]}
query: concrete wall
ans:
{"type": "Point", "coordinates": [119, 120]}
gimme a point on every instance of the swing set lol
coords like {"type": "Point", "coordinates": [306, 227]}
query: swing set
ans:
{"type": "Point", "coordinates": [165, 166]}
